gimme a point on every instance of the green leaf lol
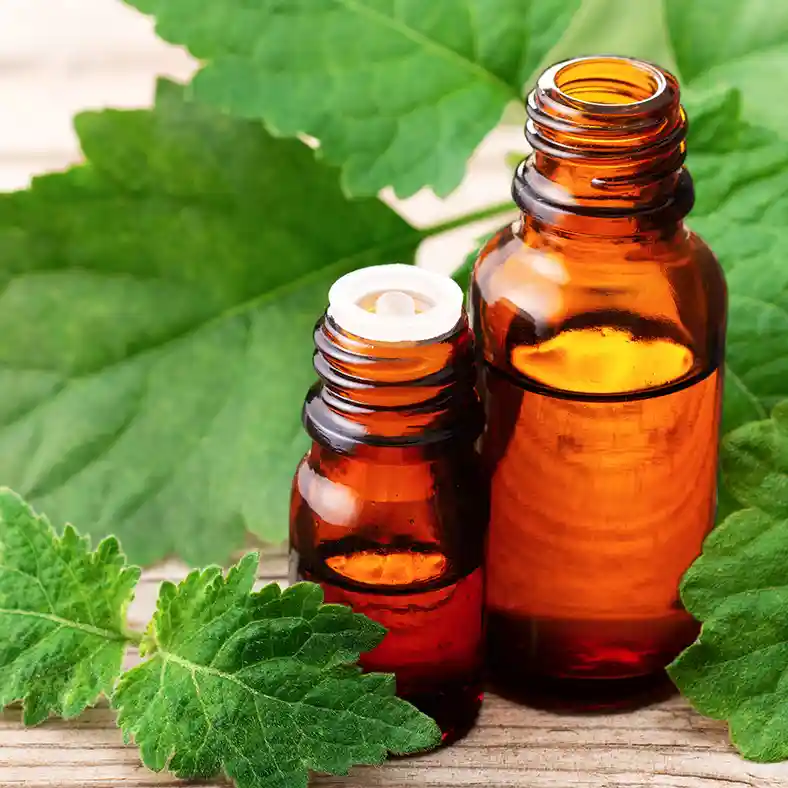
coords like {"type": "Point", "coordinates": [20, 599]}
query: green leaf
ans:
{"type": "Point", "coordinates": [741, 184]}
{"type": "Point", "coordinates": [740, 44]}
{"type": "Point", "coordinates": [738, 669]}
{"type": "Point", "coordinates": [399, 92]}
{"type": "Point", "coordinates": [261, 686]}
{"type": "Point", "coordinates": [755, 463]}
{"type": "Point", "coordinates": [738, 588]}
{"type": "Point", "coordinates": [62, 614]}
{"type": "Point", "coordinates": [617, 27]}
{"type": "Point", "coordinates": [709, 45]}
{"type": "Point", "coordinates": [156, 325]}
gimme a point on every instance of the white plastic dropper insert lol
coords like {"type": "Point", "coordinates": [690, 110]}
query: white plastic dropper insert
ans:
{"type": "Point", "coordinates": [395, 315]}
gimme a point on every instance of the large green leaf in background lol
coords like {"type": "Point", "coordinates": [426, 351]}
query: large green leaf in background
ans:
{"type": "Point", "coordinates": [155, 324]}
{"type": "Point", "coordinates": [741, 43]}
{"type": "Point", "coordinates": [741, 210]}
{"type": "Point", "coordinates": [399, 92]}
{"type": "Point", "coordinates": [708, 44]}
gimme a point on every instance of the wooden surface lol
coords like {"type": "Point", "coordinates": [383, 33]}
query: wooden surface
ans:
{"type": "Point", "coordinates": [666, 745]}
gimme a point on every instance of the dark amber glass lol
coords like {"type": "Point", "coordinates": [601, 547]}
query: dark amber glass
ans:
{"type": "Point", "coordinates": [390, 507]}
{"type": "Point", "coordinates": [600, 325]}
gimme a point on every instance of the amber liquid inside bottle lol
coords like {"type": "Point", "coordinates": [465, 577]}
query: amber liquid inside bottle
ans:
{"type": "Point", "coordinates": [390, 508]}
{"type": "Point", "coordinates": [601, 322]}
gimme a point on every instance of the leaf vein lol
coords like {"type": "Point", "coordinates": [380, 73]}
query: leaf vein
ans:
{"type": "Point", "coordinates": [88, 629]}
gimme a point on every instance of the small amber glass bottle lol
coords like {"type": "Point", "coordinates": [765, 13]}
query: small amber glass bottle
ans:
{"type": "Point", "coordinates": [600, 322]}
{"type": "Point", "coordinates": [390, 505]}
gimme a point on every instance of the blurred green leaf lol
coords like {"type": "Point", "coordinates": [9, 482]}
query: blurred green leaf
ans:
{"type": "Point", "coordinates": [755, 463]}
{"type": "Point", "coordinates": [710, 45]}
{"type": "Point", "coordinates": [617, 27]}
{"type": "Point", "coordinates": [155, 325]}
{"type": "Point", "coordinates": [739, 44]}
{"type": "Point", "coordinates": [741, 210]}
{"type": "Point", "coordinates": [398, 93]}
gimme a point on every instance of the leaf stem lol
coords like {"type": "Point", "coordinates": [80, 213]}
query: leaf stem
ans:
{"type": "Point", "coordinates": [470, 218]}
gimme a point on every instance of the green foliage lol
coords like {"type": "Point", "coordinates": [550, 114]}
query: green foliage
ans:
{"type": "Point", "coordinates": [62, 614]}
{"type": "Point", "coordinates": [261, 686]}
{"type": "Point", "coordinates": [708, 44]}
{"type": "Point", "coordinates": [156, 320]}
{"type": "Point", "coordinates": [155, 329]}
{"type": "Point", "coordinates": [741, 175]}
{"type": "Point", "coordinates": [738, 588]}
{"type": "Point", "coordinates": [399, 92]}
{"type": "Point", "coordinates": [158, 301]}
{"type": "Point", "coordinates": [740, 44]}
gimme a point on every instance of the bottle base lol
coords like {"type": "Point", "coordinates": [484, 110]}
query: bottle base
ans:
{"type": "Point", "coordinates": [585, 666]}
{"type": "Point", "coordinates": [582, 696]}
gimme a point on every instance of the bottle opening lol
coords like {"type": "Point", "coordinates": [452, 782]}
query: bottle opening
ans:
{"type": "Point", "coordinates": [607, 135]}
{"type": "Point", "coordinates": [395, 303]}
{"type": "Point", "coordinates": [605, 83]}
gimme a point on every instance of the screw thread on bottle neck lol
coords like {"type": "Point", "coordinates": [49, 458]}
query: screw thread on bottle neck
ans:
{"type": "Point", "coordinates": [608, 138]}
{"type": "Point", "coordinates": [392, 394]}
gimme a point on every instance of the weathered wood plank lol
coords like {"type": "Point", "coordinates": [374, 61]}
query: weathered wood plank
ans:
{"type": "Point", "coordinates": [665, 745]}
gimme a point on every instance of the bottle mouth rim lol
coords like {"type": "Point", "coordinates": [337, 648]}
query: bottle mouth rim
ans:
{"type": "Point", "coordinates": [630, 86]}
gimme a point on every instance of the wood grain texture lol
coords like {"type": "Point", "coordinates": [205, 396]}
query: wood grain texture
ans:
{"type": "Point", "coordinates": [665, 745]}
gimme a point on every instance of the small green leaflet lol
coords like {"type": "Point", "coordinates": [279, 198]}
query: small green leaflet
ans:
{"type": "Point", "coordinates": [755, 463]}
{"type": "Point", "coordinates": [62, 614]}
{"type": "Point", "coordinates": [156, 315]}
{"type": "Point", "coordinates": [738, 588]}
{"type": "Point", "coordinates": [399, 92]}
{"type": "Point", "coordinates": [261, 686]}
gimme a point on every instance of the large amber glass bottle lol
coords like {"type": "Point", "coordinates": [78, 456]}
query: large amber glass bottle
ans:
{"type": "Point", "coordinates": [600, 322]}
{"type": "Point", "coordinates": [390, 505]}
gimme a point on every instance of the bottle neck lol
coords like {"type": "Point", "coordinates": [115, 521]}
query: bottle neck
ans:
{"type": "Point", "coordinates": [608, 139]}
{"type": "Point", "coordinates": [386, 394]}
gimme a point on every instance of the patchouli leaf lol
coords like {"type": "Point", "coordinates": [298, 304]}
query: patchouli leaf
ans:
{"type": "Point", "coordinates": [729, 42]}
{"type": "Point", "coordinates": [738, 588]}
{"type": "Point", "coordinates": [399, 92]}
{"type": "Point", "coordinates": [741, 211]}
{"type": "Point", "coordinates": [755, 463]}
{"type": "Point", "coordinates": [156, 315]}
{"type": "Point", "coordinates": [261, 686]}
{"type": "Point", "coordinates": [62, 614]}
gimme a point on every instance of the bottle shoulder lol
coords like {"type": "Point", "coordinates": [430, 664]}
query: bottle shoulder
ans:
{"type": "Point", "coordinates": [528, 287]}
